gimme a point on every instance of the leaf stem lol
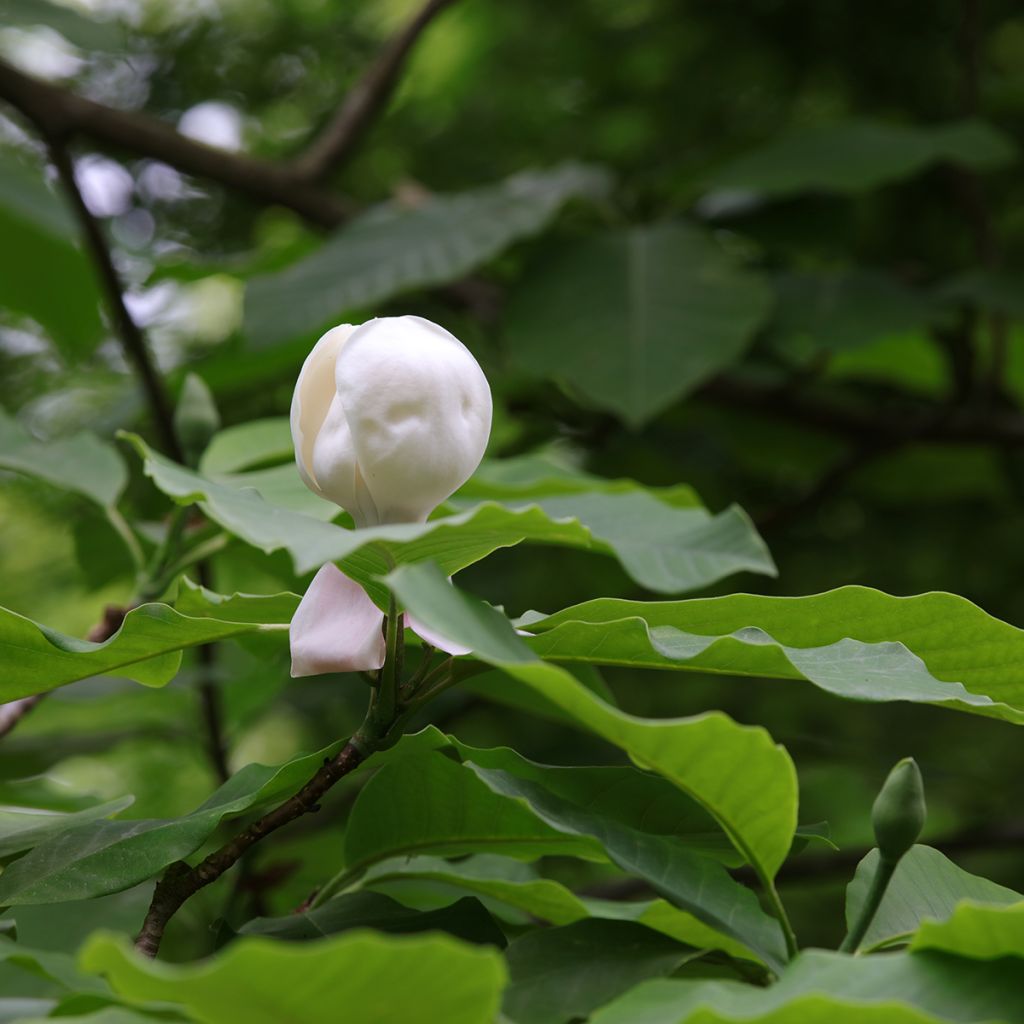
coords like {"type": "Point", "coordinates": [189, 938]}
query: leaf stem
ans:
{"type": "Point", "coordinates": [779, 911]}
{"type": "Point", "coordinates": [879, 883]}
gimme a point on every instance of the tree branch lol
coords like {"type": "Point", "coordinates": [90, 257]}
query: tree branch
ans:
{"type": "Point", "coordinates": [364, 101]}
{"type": "Point", "coordinates": [132, 341]}
{"type": "Point", "coordinates": [61, 113]}
{"type": "Point", "coordinates": [926, 422]}
{"type": "Point", "coordinates": [180, 881]}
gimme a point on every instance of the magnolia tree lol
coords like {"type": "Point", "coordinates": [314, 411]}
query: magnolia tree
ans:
{"type": "Point", "coordinates": [301, 770]}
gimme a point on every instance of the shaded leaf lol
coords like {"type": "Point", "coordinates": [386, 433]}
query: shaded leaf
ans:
{"type": "Point", "coordinates": [635, 319]}
{"type": "Point", "coordinates": [859, 155]}
{"type": "Point", "coordinates": [21, 828]}
{"type": "Point", "coordinates": [467, 919]}
{"type": "Point", "coordinates": [925, 885]}
{"type": "Point", "coordinates": [976, 930]}
{"type": "Point", "coordinates": [393, 248]}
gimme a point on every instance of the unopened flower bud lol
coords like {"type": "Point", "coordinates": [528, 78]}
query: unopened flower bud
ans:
{"type": "Point", "coordinates": [899, 810]}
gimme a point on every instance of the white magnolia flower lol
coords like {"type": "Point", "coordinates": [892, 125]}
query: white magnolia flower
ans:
{"type": "Point", "coordinates": [388, 420]}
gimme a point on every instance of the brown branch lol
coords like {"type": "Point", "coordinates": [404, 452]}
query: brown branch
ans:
{"type": "Point", "coordinates": [132, 341]}
{"type": "Point", "coordinates": [364, 101]}
{"type": "Point", "coordinates": [837, 415]}
{"type": "Point", "coordinates": [61, 113]}
{"type": "Point", "coordinates": [180, 881]}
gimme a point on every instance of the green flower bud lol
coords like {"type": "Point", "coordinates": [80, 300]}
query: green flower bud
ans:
{"type": "Point", "coordinates": [899, 811]}
{"type": "Point", "coordinates": [196, 419]}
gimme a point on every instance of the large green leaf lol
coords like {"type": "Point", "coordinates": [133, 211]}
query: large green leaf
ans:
{"type": "Point", "coordinates": [147, 648]}
{"type": "Point", "coordinates": [23, 828]}
{"type": "Point", "coordinates": [859, 155]}
{"type": "Point", "coordinates": [661, 545]}
{"type": "Point", "coordinates": [55, 967]}
{"type": "Point", "coordinates": [431, 804]}
{"type": "Point", "coordinates": [695, 884]}
{"type": "Point", "coordinates": [466, 919]}
{"type": "Point", "coordinates": [755, 804]}
{"type": "Point", "coordinates": [49, 279]}
{"type": "Point", "coordinates": [393, 248]}
{"type": "Point", "coordinates": [561, 974]}
{"type": "Point", "coordinates": [888, 988]}
{"type": "Point", "coordinates": [854, 641]}
{"type": "Point", "coordinates": [635, 319]}
{"type": "Point", "coordinates": [80, 463]}
{"type": "Point", "coordinates": [925, 885]}
{"type": "Point", "coordinates": [110, 855]}
{"type": "Point", "coordinates": [364, 977]}
{"type": "Point", "coordinates": [980, 931]}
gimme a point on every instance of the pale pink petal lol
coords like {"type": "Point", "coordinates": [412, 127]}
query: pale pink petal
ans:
{"type": "Point", "coordinates": [336, 627]}
{"type": "Point", "coordinates": [433, 638]}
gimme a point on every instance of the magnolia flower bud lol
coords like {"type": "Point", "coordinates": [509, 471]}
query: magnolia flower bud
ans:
{"type": "Point", "coordinates": [898, 813]}
{"type": "Point", "coordinates": [389, 418]}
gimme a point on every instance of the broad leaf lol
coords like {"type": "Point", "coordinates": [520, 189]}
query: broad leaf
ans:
{"type": "Point", "coordinates": [889, 988]}
{"type": "Point", "coordinates": [756, 807]}
{"type": "Point", "coordinates": [80, 463]}
{"type": "Point", "coordinates": [854, 642]}
{"type": "Point", "coordinates": [108, 856]}
{"type": "Point", "coordinates": [696, 884]}
{"type": "Point", "coordinates": [633, 320]}
{"type": "Point", "coordinates": [661, 545]}
{"type": "Point", "coordinates": [856, 156]}
{"type": "Point", "coordinates": [55, 967]}
{"type": "Point", "coordinates": [372, 979]}
{"type": "Point", "coordinates": [393, 248]}
{"type": "Point", "coordinates": [980, 931]}
{"type": "Point", "coordinates": [466, 919]}
{"type": "Point", "coordinates": [925, 885]}
{"type": "Point", "coordinates": [561, 974]}
{"type": "Point", "coordinates": [22, 828]}
{"type": "Point", "coordinates": [147, 648]}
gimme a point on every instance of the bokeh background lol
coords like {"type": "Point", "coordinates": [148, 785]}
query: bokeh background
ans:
{"type": "Point", "coordinates": [769, 249]}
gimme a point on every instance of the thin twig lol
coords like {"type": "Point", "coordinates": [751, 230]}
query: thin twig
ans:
{"type": "Point", "coordinates": [364, 101]}
{"type": "Point", "coordinates": [131, 337]}
{"type": "Point", "coordinates": [180, 881]}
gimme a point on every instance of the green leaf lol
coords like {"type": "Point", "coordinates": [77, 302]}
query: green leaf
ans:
{"type": "Point", "coordinates": [466, 919]}
{"type": "Point", "coordinates": [889, 988]}
{"type": "Point", "coordinates": [634, 320]}
{"type": "Point", "coordinates": [976, 930]}
{"type": "Point", "coordinates": [36, 224]}
{"type": "Point", "coordinates": [755, 807]}
{"type": "Point", "coordinates": [926, 884]}
{"type": "Point", "coordinates": [108, 1015]}
{"type": "Point", "coordinates": [249, 444]}
{"type": "Point", "coordinates": [56, 967]}
{"type": "Point", "coordinates": [431, 804]}
{"type": "Point", "coordinates": [662, 546]}
{"type": "Point", "coordinates": [561, 974]}
{"type": "Point", "coordinates": [80, 463]}
{"type": "Point", "coordinates": [84, 32]}
{"type": "Point", "coordinates": [836, 311]}
{"type": "Point", "coordinates": [517, 885]}
{"type": "Point", "coordinates": [860, 155]}
{"type": "Point", "coordinates": [393, 249]}
{"type": "Point", "coordinates": [21, 828]}
{"type": "Point", "coordinates": [147, 648]}
{"type": "Point", "coordinates": [854, 642]}
{"type": "Point", "coordinates": [695, 884]}
{"type": "Point", "coordinates": [998, 291]}
{"type": "Point", "coordinates": [107, 856]}
{"type": "Point", "coordinates": [372, 979]}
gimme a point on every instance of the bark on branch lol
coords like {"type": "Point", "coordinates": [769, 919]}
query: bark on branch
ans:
{"type": "Point", "coordinates": [180, 881]}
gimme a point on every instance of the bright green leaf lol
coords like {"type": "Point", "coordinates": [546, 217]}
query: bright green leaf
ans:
{"type": "Point", "coordinates": [980, 931]}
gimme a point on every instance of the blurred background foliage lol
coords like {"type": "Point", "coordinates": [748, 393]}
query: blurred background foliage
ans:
{"type": "Point", "coordinates": [768, 249]}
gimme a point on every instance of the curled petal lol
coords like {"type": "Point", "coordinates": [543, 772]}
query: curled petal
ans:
{"type": "Point", "coordinates": [314, 394]}
{"type": "Point", "coordinates": [336, 627]}
{"type": "Point", "coordinates": [434, 638]}
{"type": "Point", "coordinates": [419, 410]}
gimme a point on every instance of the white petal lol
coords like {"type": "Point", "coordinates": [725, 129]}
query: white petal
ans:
{"type": "Point", "coordinates": [314, 392]}
{"type": "Point", "coordinates": [419, 410]}
{"type": "Point", "coordinates": [336, 627]}
{"type": "Point", "coordinates": [434, 638]}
